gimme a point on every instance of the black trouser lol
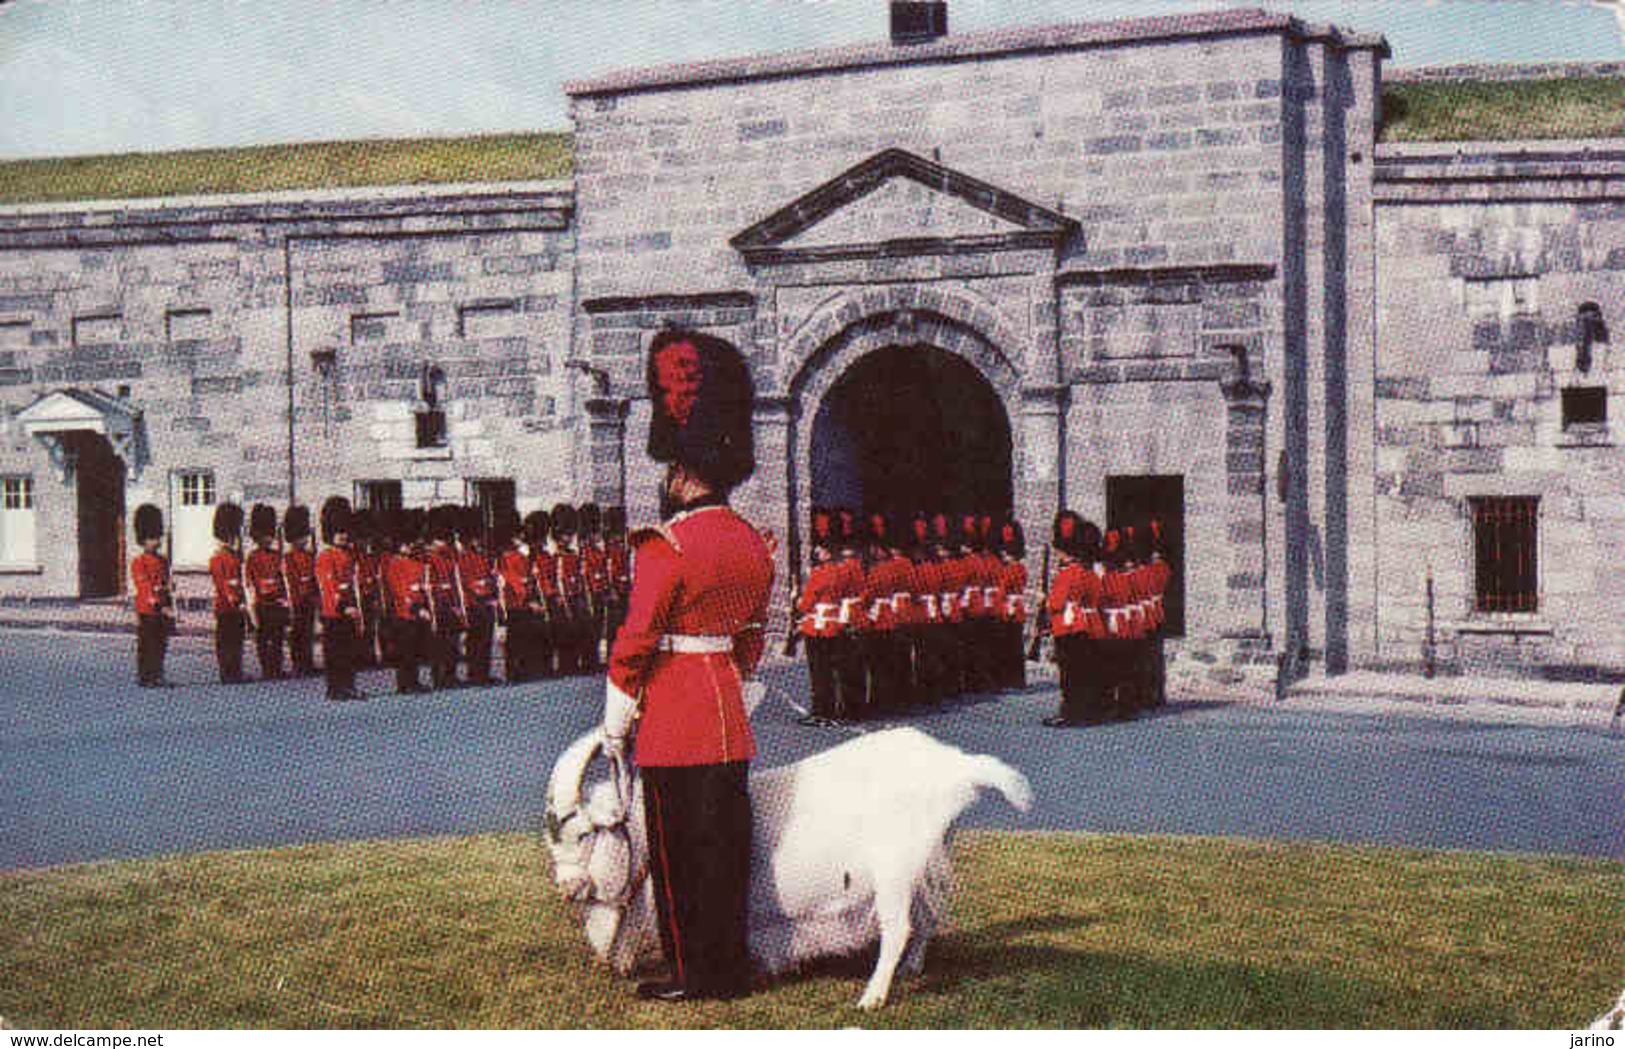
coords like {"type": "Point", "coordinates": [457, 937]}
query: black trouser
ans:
{"type": "Point", "coordinates": [268, 638]}
{"type": "Point", "coordinates": [887, 656]}
{"type": "Point", "coordinates": [928, 664]}
{"type": "Point", "coordinates": [151, 639]}
{"type": "Point", "coordinates": [698, 821]}
{"type": "Point", "coordinates": [477, 643]}
{"type": "Point", "coordinates": [367, 638]}
{"type": "Point", "coordinates": [542, 654]}
{"type": "Point", "coordinates": [1082, 677]}
{"type": "Point", "coordinates": [1012, 658]}
{"type": "Point", "coordinates": [821, 663]}
{"type": "Point", "coordinates": [1159, 670]}
{"type": "Point", "coordinates": [408, 638]}
{"type": "Point", "coordinates": [600, 631]}
{"type": "Point", "coordinates": [577, 638]}
{"type": "Point", "coordinates": [519, 645]}
{"type": "Point", "coordinates": [301, 629]}
{"type": "Point", "coordinates": [229, 628]}
{"type": "Point", "coordinates": [339, 654]}
{"type": "Point", "coordinates": [443, 652]}
{"type": "Point", "coordinates": [1117, 657]}
{"type": "Point", "coordinates": [851, 677]}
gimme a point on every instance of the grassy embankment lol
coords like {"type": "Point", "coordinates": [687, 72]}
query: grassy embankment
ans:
{"type": "Point", "coordinates": [1047, 930]}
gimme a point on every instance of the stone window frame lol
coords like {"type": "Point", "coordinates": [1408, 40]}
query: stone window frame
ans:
{"type": "Point", "coordinates": [92, 317]}
{"type": "Point", "coordinates": [10, 326]}
{"type": "Point", "coordinates": [187, 312]}
{"type": "Point", "coordinates": [360, 326]}
{"type": "Point", "coordinates": [481, 309]}
{"type": "Point", "coordinates": [368, 489]}
{"type": "Point", "coordinates": [19, 515]}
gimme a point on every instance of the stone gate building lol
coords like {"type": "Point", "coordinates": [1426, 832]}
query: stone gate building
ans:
{"type": "Point", "coordinates": [1149, 266]}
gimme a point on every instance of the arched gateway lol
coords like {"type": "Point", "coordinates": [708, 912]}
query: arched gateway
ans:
{"type": "Point", "coordinates": [907, 408]}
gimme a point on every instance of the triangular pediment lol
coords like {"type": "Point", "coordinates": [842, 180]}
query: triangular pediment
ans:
{"type": "Point", "coordinates": [896, 202]}
{"type": "Point", "coordinates": [75, 409]}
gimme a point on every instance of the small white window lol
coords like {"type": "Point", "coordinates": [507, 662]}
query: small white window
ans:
{"type": "Point", "coordinates": [194, 518]}
{"type": "Point", "coordinates": [17, 545]}
{"type": "Point", "coordinates": [96, 328]}
{"type": "Point", "coordinates": [372, 327]}
{"type": "Point", "coordinates": [488, 320]}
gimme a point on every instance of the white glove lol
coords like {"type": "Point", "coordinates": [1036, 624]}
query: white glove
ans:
{"type": "Point", "coordinates": [620, 710]}
{"type": "Point", "coordinates": [754, 693]}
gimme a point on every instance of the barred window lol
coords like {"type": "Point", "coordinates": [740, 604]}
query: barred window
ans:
{"type": "Point", "coordinates": [1504, 547]}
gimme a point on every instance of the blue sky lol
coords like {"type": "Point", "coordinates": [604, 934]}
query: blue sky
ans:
{"type": "Point", "coordinates": [113, 76]}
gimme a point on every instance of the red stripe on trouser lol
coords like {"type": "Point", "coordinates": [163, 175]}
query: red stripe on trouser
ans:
{"type": "Point", "coordinates": [665, 881]}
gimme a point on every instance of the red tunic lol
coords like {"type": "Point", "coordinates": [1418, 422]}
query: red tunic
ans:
{"type": "Point", "coordinates": [888, 593]}
{"type": "Point", "coordinates": [620, 567]}
{"type": "Point", "coordinates": [479, 587]}
{"type": "Point", "coordinates": [518, 585]}
{"type": "Point", "coordinates": [707, 572]}
{"type": "Point", "coordinates": [226, 569]}
{"type": "Point", "coordinates": [335, 579]}
{"type": "Point", "coordinates": [1013, 586]}
{"type": "Point", "coordinates": [1074, 602]}
{"type": "Point", "coordinates": [300, 567]}
{"type": "Point", "coordinates": [1159, 573]}
{"type": "Point", "coordinates": [819, 605]}
{"type": "Point", "coordinates": [149, 575]}
{"type": "Point", "coordinates": [545, 575]}
{"type": "Point", "coordinates": [595, 571]}
{"type": "Point", "coordinates": [567, 569]}
{"type": "Point", "coordinates": [403, 576]}
{"type": "Point", "coordinates": [443, 583]}
{"type": "Point", "coordinates": [265, 578]}
{"type": "Point", "coordinates": [367, 567]}
{"type": "Point", "coordinates": [1115, 598]}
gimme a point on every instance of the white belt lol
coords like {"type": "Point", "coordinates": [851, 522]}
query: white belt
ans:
{"type": "Point", "coordinates": [824, 614]}
{"type": "Point", "coordinates": [696, 644]}
{"type": "Point", "coordinates": [847, 604]}
{"type": "Point", "coordinates": [899, 601]}
{"type": "Point", "coordinates": [1069, 615]}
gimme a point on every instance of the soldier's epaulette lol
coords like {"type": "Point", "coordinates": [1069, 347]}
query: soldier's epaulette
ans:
{"type": "Point", "coordinates": [639, 536]}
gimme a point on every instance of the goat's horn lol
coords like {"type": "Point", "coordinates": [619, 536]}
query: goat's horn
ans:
{"type": "Point", "coordinates": [564, 786]}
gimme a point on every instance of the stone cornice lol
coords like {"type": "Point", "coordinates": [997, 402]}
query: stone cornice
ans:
{"type": "Point", "coordinates": [977, 45]}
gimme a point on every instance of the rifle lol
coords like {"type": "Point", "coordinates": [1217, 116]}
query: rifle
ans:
{"type": "Point", "coordinates": [1041, 624]}
{"type": "Point", "coordinates": [792, 637]}
{"type": "Point", "coordinates": [250, 600]}
{"type": "Point", "coordinates": [360, 601]}
{"type": "Point", "coordinates": [428, 592]}
{"type": "Point", "coordinates": [457, 582]}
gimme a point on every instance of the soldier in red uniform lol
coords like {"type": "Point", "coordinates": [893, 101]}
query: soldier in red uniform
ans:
{"type": "Point", "coordinates": [479, 598]}
{"type": "Point", "coordinates": [1159, 572]}
{"type": "Point", "coordinates": [950, 608]}
{"type": "Point", "coordinates": [340, 601]}
{"type": "Point", "coordinates": [887, 601]}
{"type": "Point", "coordinates": [926, 635]}
{"type": "Point", "coordinates": [267, 591]}
{"type": "Point", "coordinates": [544, 574]}
{"type": "Point", "coordinates": [1075, 622]}
{"type": "Point", "coordinates": [595, 580]}
{"type": "Point", "coordinates": [518, 603]}
{"type": "Point", "coordinates": [818, 611]}
{"type": "Point", "coordinates": [1117, 650]}
{"type": "Point", "coordinates": [573, 626]}
{"type": "Point", "coordinates": [620, 567]}
{"type": "Point", "coordinates": [154, 602]}
{"type": "Point", "coordinates": [299, 568]}
{"type": "Point", "coordinates": [226, 572]}
{"type": "Point", "coordinates": [693, 634]}
{"type": "Point", "coordinates": [445, 599]}
{"type": "Point", "coordinates": [365, 548]}
{"type": "Point", "coordinates": [1010, 592]}
{"type": "Point", "coordinates": [852, 660]}
{"type": "Point", "coordinates": [407, 596]}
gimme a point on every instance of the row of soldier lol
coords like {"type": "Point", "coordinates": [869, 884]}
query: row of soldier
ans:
{"type": "Point", "coordinates": [895, 619]}
{"type": "Point", "coordinates": [402, 588]}
{"type": "Point", "coordinates": [1105, 611]}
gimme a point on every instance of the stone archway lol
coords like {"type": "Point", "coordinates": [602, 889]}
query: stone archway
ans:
{"type": "Point", "coordinates": [899, 316]}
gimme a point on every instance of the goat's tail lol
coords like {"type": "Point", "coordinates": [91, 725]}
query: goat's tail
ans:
{"type": "Point", "coordinates": [988, 771]}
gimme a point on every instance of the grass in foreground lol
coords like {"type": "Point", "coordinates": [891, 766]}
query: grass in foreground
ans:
{"type": "Point", "coordinates": [1049, 930]}
{"type": "Point", "coordinates": [1500, 111]}
{"type": "Point", "coordinates": [324, 165]}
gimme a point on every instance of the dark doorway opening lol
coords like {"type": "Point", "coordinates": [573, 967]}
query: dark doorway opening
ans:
{"type": "Point", "coordinates": [1134, 501]}
{"type": "Point", "coordinates": [495, 499]}
{"type": "Point", "coordinates": [912, 428]}
{"type": "Point", "coordinates": [99, 480]}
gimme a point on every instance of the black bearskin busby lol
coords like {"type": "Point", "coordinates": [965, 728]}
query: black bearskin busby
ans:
{"type": "Point", "coordinates": [565, 522]}
{"type": "Point", "coordinates": [592, 520]}
{"type": "Point", "coordinates": [921, 530]}
{"type": "Point", "coordinates": [538, 526]}
{"type": "Point", "coordinates": [262, 521]}
{"type": "Point", "coordinates": [362, 529]}
{"type": "Point", "coordinates": [149, 523]}
{"type": "Point", "coordinates": [504, 527]}
{"type": "Point", "coordinates": [1067, 535]}
{"type": "Point", "coordinates": [228, 522]}
{"type": "Point", "coordinates": [335, 518]}
{"type": "Point", "coordinates": [614, 522]}
{"type": "Point", "coordinates": [442, 523]}
{"type": "Point", "coordinates": [823, 530]}
{"type": "Point", "coordinates": [1012, 541]}
{"type": "Point", "coordinates": [701, 393]}
{"type": "Point", "coordinates": [880, 530]}
{"type": "Point", "coordinates": [296, 522]}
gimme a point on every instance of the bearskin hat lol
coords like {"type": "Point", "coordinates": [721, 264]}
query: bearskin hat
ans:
{"type": "Point", "coordinates": [592, 520]}
{"type": "Point", "coordinates": [296, 522]}
{"type": "Point", "coordinates": [504, 526]}
{"type": "Point", "coordinates": [921, 528]}
{"type": "Point", "coordinates": [939, 529]}
{"type": "Point", "coordinates": [1156, 537]}
{"type": "Point", "coordinates": [823, 529]}
{"type": "Point", "coordinates": [848, 525]}
{"type": "Point", "coordinates": [1111, 547]}
{"type": "Point", "coordinates": [363, 528]}
{"type": "Point", "coordinates": [614, 521]}
{"type": "Point", "coordinates": [262, 521]}
{"type": "Point", "coordinates": [335, 517]}
{"type": "Point", "coordinates": [879, 529]}
{"type": "Point", "coordinates": [538, 526]}
{"type": "Point", "coordinates": [1011, 539]}
{"type": "Point", "coordinates": [565, 521]}
{"type": "Point", "coordinates": [968, 535]}
{"type": "Point", "coordinates": [1074, 536]}
{"type": "Point", "coordinates": [149, 523]}
{"type": "Point", "coordinates": [228, 522]}
{"type": "Point", "coordinates": [984, 529]}
{"type": "Point", "coordinates": [701, 393]}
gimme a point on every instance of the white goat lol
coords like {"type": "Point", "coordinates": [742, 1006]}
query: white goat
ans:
{"type": "Point", "coordinates": [1613, 1019]}
{"type": "Point", "coordinates": [850, 846]}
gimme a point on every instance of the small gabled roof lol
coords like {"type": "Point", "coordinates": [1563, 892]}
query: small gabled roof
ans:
{"type": "Point", "coordinates": [1019, 222]}
{"type": "Point", "coordinates": [77, 408]}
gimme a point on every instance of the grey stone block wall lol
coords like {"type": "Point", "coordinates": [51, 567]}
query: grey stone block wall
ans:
{"type": "Point", "coordinates": [1480, 279]}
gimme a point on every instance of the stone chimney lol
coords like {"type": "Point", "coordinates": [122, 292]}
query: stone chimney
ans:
{"type": "Point", "coordinates": [916, 22]}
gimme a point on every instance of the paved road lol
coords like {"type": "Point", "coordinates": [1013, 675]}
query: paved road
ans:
{"type": "Point", "coordinates": [92, 767]}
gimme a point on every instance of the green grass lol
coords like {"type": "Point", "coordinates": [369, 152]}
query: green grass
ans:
{"type": "Point", "coordinates": [1495, 111]}
{"type": "Point", "coordinates": [1048, 930]}
{"type": "Point", "coordinates": [484, 158]}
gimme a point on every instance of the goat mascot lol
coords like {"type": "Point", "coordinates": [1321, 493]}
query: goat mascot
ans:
{"type": "Point", "coordinates": [849, 845]}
